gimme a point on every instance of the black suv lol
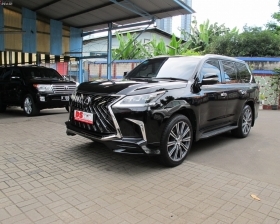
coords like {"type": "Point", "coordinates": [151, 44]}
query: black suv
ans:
{"type": "Point", "coordinates": [165, 104]}
{"type": "Point", "coordinates": [33, 88]}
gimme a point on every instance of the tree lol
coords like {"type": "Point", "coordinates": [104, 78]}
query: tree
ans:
{"type": "Point", "coordinates": [253, 42]}
{"type": "Point", "coordinates": [202, 35]}
{"type": "Point", "coordinates": [157, 47]}
{"type": "Point", "coordinates": [129, 48]}
{"type": "Point", "coordinates": [274, 25]}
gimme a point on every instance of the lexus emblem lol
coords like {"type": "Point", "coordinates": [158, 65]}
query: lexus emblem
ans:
{"type": "Point", "coordinates": [87, 100]}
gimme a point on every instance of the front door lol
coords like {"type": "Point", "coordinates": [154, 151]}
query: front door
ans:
{"type": "Point", "coordinates": [213, 105]}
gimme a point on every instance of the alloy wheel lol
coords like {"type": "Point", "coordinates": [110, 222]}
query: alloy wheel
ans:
{"type": "Point", "coordinates": [28, 105]}
{"type": "Point", "coordinates": [179, 141]}
{"type": "Point", "coordinates": [246, 121]}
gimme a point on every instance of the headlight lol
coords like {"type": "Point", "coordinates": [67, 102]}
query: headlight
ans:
{"type": "Point", "coordinates": [73, 94]}
{"type": "Point", "coordinates": [43, 88]}
{"type": "Point", "coordinates": [139, 100]}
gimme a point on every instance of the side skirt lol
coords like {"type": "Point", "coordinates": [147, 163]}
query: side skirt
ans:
{"type": "Point", "coordinates": [217, 131]}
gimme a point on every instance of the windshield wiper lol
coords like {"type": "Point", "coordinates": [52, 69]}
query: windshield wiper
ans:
{"type": "Point", "coordinates": [171, 78]}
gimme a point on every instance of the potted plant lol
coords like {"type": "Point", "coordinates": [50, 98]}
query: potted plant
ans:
{"type": "Point", "coordinates": [275, 86]}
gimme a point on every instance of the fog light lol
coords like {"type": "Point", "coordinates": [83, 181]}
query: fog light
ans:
{"type": "Point", "coordinates": [42, 98]}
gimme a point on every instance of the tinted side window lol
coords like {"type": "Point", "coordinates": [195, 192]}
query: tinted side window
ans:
{"type": "Point", "coordinates": [243, 73]}
{"type": "Point", "coordinates": [230, 72]}
{"type": "Point", "coordinates": [6, 74]}
{"type": "Point", "coordinates": [30, 73]}
{"type": "Point", "coordinates": [16, 72]}
{"type": "Point", "coordinates": [211, 67]}
{"type": "Point", "coordinates": [2, 71]}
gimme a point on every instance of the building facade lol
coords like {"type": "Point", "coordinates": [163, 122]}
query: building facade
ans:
{"type": "Point", "coordinates": [186, 19]}
{"type": "Point", "coordinates": [185, 23]}
{"type": "Point", "coordinates": [165, 24]}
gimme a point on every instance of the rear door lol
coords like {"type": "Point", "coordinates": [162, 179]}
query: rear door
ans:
{"type": "Point", "coordinates": [12, 86]}
{"type": "Point", "coordinates": [236, 78]}
{"type": "Point", "coordinates": [5, 85]}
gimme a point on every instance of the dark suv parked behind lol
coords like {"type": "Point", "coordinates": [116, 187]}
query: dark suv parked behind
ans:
{"type": "Point", "coordinates": [165, 104]}
{"type": "Point", "coordinates": [33, 88]}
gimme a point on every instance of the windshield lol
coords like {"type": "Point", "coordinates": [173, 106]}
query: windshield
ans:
{"type": "Point", "coordinates": [174, 67]}
{"type": "Point", "coordinates": [41, 73]}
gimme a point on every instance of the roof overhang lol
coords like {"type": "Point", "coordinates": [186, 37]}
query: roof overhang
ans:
{"type": "Point", "coordinates": [97, 14]}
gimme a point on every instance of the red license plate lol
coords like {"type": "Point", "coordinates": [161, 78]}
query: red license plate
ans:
{"type": "Point", "coordinates": [83, 116]}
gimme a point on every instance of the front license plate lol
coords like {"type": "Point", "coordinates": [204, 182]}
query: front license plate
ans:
{"type": "Point", "coordinates": [64, 98]}
{"type": "Point", "coordinates": [83, 116]}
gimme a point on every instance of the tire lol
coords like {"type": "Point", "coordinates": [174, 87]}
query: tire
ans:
{"type": "Point", "coordinates": [176, 141]}
{"type": "Point", "coordinates": [244, 123]}
{"type": "Point", "coordinates": [29, 106]}
{"type": "Point", "coordinates": [2, 107]}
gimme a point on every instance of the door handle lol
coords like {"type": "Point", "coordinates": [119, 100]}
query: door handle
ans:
{"type": "Point", "coordinates": [223, 94]}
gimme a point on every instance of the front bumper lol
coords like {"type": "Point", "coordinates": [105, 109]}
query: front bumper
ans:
{"type": "Point", "coordinates": [52, 100]}
{"type": "Point", "coordinates": [115, 143]}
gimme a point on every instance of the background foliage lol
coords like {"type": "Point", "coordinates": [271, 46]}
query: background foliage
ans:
{"type": "Point", "coordinates": [207, 38]}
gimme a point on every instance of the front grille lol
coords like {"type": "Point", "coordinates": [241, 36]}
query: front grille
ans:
{"type": "Point", "coordinates": [63, 88]}
{"type": "Point", "coordinates": [98, 105]}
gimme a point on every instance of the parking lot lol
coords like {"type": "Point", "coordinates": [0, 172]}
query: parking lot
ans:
{"type": "Point", "coordinates": [49, 177]}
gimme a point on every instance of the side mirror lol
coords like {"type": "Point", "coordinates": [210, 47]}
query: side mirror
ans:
{"type": "Point", "coordinates": [125, 74]}
{"type": "Point", "coordinates": [210, 78]}
{"type": "Point", "coordinates": [66, 78]}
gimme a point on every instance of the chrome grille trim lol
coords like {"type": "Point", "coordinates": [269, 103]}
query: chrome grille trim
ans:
{"type": "Point", "coordinates": [105, 123]}
{"type": "Point", "coordinates": [141, 125]}
{"type": "Point", "coordinates": [119, 134]}
{"type": "Point", "coordinates": [63, 88]}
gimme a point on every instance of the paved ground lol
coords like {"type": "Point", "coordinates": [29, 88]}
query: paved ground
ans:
{"type": "Point", "coordinates": [48, 177]}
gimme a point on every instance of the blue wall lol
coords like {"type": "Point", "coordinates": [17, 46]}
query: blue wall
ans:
{"type": "Point", "coordinates": [76, 41]}
{"type": "Point", "coordinates": [29, 38]}
{"type": "Point", "coordinates": [56, 38]}
{"type": "Point", "coordinates": [2, 40]}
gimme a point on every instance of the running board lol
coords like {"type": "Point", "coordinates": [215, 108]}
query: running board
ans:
{"type": "Point", "coordinates": [217, 131]}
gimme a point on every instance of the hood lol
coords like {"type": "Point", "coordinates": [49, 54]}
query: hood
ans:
{"type": "Point", "coordinates": [130, 87]}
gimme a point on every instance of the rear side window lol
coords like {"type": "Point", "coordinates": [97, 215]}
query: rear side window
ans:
{"type": "Point", "coordinates": [230, 72]}
{"type": "Point", "coordinates": [30, 73]}
{"type": "Point", "coordinates": [5, 74]}
{"type": "Point", "coordinates": [244, 74]}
